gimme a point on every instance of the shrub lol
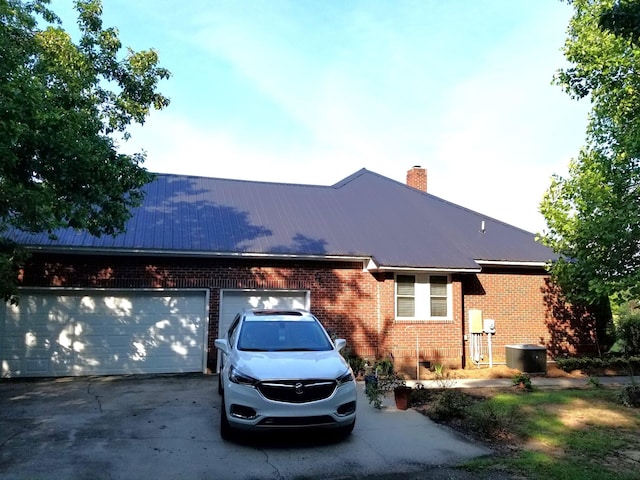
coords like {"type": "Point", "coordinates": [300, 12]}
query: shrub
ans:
{"type": "Point", "coordinates": [629, 396]}
{"type": "Point", "coordinates": [449, 403]}
{"type": "Point", "coordinates": [628, 331]}
{"type": "Point", "coordinates": [384, 366]}
{"type": "Point", "coordinates": [356, 363]}
{"type": "Point", "coordinates": [522, 380]}
{"type": "Point", "coordinates": [443, 378]}
{"type": "Point", "coordinates": [594, 382]}
{"type": "Point", "coordinates": [383, 381]}
{"type": "Point", "coordinates": [491, 421]}
{"type": "Point", "coordinates": [594, 364]}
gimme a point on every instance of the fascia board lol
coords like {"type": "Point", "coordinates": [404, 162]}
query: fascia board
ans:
{"type": "Point", "coordinates": [185, 254]}
{"type": "Point", "coordinates": [511, 263]}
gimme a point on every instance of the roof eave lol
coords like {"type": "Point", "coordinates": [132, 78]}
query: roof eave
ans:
{"type": "Point", "coordinates": [373, 267]}
{"type": "Point", "coordinates": [512, 263]}
{"type": "Point", "coordinates": [118, 252]}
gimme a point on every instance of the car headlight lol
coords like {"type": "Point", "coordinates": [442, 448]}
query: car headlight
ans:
{"type": "Point", "coordinates": [236, 376]}
{"type": "Point", "coordinates": [345, 378]}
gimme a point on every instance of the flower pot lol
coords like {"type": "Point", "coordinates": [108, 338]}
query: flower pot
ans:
{"type": "Point", "coordinates": [402, 397]}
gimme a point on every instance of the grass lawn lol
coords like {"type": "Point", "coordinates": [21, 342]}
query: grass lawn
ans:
{"type": "Point", "coordinates": [547, 434]}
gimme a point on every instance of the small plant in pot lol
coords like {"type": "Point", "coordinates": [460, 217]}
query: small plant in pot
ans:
{"type": "Point", "coordinates": [384, 381]}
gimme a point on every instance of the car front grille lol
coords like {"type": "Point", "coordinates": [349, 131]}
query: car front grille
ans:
{"type": "Point", "coordinates": [297, 391]}
{"type": "Point", "coordinates": [318, 421]}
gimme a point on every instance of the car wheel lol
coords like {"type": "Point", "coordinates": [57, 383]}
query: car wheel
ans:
{"type": "Point", "coordinates": [220, 390]}
{"type": "Point", "coordinates": [226, 432]}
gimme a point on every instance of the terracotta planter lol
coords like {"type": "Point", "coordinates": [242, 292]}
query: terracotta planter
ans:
{"type": "Point", "coordinates": [402, 397]}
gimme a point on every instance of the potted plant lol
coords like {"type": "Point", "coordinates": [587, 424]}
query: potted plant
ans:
{"type": "Point", "coordinates": [402, 396]}
{"type": "Point", "coordinates": [384, 381]}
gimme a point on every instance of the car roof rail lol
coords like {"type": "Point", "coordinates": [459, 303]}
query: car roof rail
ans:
{"type": "Point", "coordinates": [275, 312]}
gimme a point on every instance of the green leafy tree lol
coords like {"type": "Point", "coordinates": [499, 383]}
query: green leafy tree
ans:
{"type": "Point", "coordinates": [63, 106]}
{"type": "Point", "coordinates": [593, 215]}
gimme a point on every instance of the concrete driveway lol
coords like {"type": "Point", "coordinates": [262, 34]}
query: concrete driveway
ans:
{"type": "Point", "coordinates": [166, 427]}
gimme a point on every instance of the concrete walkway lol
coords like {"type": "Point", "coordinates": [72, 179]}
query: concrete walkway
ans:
{"type": "Point", "coordinates": [536, 381]}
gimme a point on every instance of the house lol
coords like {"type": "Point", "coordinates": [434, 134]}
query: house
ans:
{"type": "Point", "coordinates": [391, 268]}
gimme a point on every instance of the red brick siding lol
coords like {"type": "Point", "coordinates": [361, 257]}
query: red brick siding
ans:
{"type": "Point", "coordinates": [351, 303]}
{"type": "Point", "coordinates": [526, 309]}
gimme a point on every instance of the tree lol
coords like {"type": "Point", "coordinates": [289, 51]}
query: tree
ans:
{"type": "Point", "coordinates": [63, 106]}
{"type": "Point", "coordinates": [593, 215]}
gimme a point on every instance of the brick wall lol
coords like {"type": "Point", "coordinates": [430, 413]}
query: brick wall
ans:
{"type": "Point", "coordinates": [527, 308]}
{"type": "Point", "coordinates": [351, 303]}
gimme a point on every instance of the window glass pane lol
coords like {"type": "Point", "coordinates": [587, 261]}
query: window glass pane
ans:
{"type": "Point", "coordinates": [405, 296]}
{"type": "Point", "coordinates": [438, 307]}
{"type": "Point", "coordinates": [438, 300]}
{"type": "Point", "coordinates": [406, 285]}
{"type": "Point", "coordinates": [438, 286]}
{"type": "Point", "coordinates": [406, 307]}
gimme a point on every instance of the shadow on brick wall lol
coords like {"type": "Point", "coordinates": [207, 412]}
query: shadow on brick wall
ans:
{"type": "Point", "coordinates": [574, 329]}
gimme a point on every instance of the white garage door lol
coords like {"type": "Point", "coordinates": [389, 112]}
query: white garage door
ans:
{"type": "Point", "coordinates": [234, 301]}
{"type": "Point", "coordinates": [98, 332]}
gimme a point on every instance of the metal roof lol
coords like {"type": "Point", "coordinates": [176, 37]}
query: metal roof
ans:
{"type": "Point", "coordinates": [363, 216]}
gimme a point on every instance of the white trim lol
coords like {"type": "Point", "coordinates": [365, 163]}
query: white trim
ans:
{"type": "Point", "coordinates": [509, 263]}
{"type": "Point", "coordinates": [424, 298]}
{"type": "Point", "coordinates": [368, 263]}
{"type": "Point", "coordinates": [433, 270]}
{"type": "Point", "coordinates": [117, 252]}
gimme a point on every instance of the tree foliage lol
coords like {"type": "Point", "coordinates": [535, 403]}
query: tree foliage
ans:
{"type": "Point", "coordinates": [63, 107]}
{"type": "Point", "coordinates": [593, 215]}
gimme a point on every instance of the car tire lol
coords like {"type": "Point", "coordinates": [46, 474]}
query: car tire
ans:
{"type": "Point", "coordinates": [220, 389]}
{"type": "Point", "coordinates": [226, 432]}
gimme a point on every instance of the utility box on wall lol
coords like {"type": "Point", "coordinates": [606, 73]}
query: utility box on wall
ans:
{"type": "Point", "coordinates": [527, 358]}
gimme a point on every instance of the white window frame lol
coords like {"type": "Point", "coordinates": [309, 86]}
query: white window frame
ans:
{"type": "Point", "coordinates": [422, 295]}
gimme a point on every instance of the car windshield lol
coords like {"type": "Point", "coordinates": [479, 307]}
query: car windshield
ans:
{"type": "Point", "coordinates": [282, 336]}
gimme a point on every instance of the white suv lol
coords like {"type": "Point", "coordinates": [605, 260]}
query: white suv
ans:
{"type": "Point", "coordinates": [281, 370]}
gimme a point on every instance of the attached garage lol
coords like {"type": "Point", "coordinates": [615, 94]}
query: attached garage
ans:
{"type": "Point", "coordinates": [234, 301]}
{"type": "Point", "coordinates": [55, 332]}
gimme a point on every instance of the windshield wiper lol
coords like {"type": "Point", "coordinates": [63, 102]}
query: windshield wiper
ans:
{"type": "Point", "coordinates": [300, 349]}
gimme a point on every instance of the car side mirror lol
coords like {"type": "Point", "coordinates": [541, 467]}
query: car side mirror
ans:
{"type": "Point", "coordinates": [222, 344]}
{"type": "Point", "coordinates": [340, 343]}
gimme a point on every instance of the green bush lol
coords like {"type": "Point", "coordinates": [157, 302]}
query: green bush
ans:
{"type": "Point", "coordinates": [489, 420]}
{"type": "Point", "coordinates": [522, 380]}
{"type": "Point", "coordinates": [628, 331]}
{"type": "Point", "coordinates": [384, 366]}
{"type": "Point", "coordinates": [593, 364]}
{"type": "Point", "coordinates": [450, 403]}
{"type": "Point", "coordinates": [629, 396]}
{"type": "Point", "coordinates": [356, 362]}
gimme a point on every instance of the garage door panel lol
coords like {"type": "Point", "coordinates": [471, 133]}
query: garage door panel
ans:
{"type": "Point", "coordinates": [234, 301]}
{"type": "Point", "coordinates": [94, 333]}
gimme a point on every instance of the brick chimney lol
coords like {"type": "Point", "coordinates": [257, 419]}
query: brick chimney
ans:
{"type": "Point", "coordinates": [417, 178]}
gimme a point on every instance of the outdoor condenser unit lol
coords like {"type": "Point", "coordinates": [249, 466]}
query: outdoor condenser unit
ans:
{"type": "Point", "coordinates": [527, 358]}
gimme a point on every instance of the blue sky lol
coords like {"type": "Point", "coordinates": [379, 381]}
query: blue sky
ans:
{"type": "Point", "coordinates": [302, 91]}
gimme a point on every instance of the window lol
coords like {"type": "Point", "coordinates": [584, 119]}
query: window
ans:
{"type": "Point", "coordinates": [423, 297]}
{"type": "Point", "coordinates": [438, 300]}
{"type": "Point", "coordinates": [406, 296]}
{"type": "Point", "coordinates": [233, 330]}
